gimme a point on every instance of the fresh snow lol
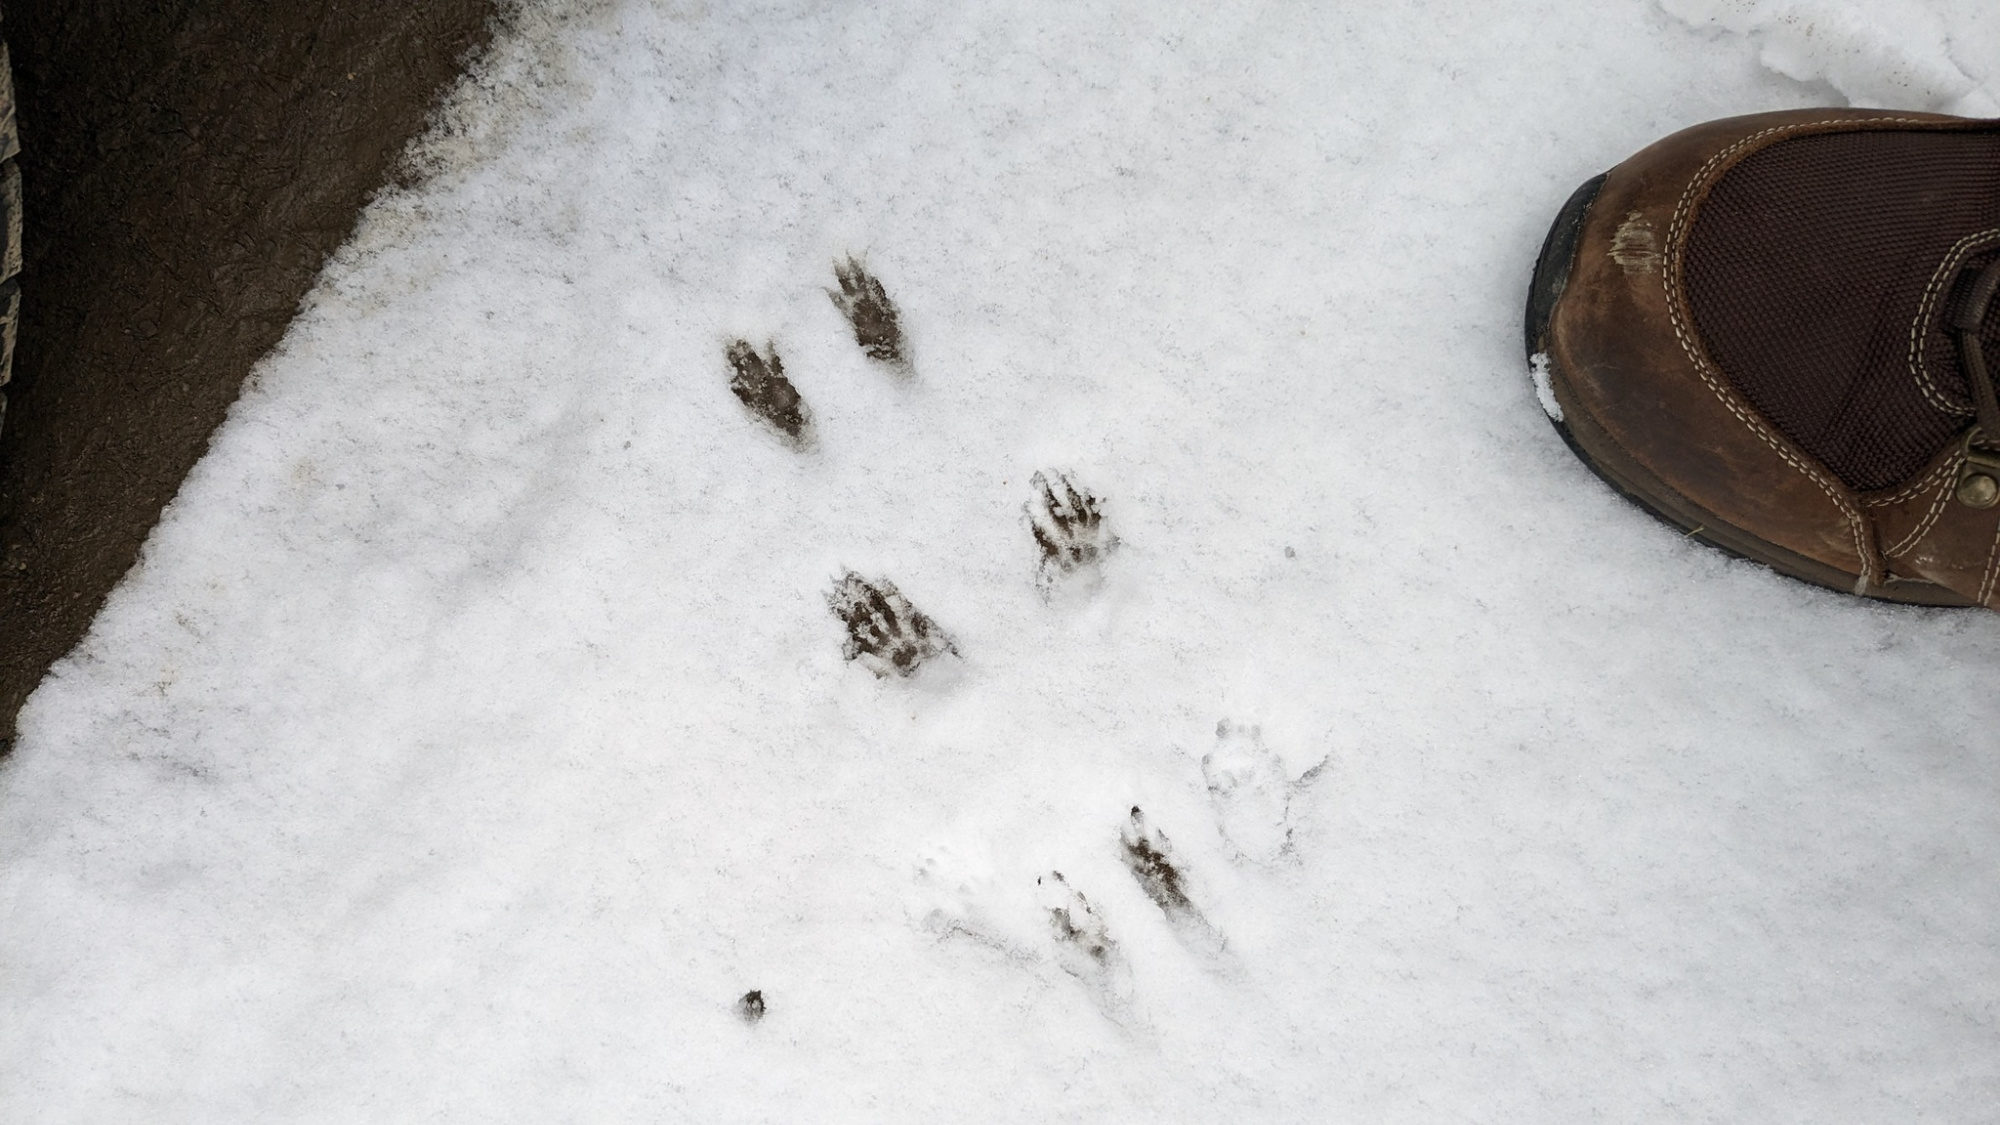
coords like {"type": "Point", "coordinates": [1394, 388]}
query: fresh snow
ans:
{"type": "Point", "coordinates": [1944, 56]}
{"type": "Point", "coordinates": [1545, 392]}
{"type": "Point", "coordinates": [475, 735]}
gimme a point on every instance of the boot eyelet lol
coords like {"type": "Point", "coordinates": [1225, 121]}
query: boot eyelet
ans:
{"type": "Point", "coordinates": [1977, 490]}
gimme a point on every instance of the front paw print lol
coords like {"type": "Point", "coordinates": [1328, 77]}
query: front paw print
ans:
{"type": "Point", "coordinates": [1067, 525]}
{"type": "Point", "coordinates": [884, 631]}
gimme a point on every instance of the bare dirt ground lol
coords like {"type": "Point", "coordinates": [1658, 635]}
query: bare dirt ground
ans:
{"type": "Point", "coordinates": [188, 165]}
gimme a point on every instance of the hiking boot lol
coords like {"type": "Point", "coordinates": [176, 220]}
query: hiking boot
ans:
{"type": "Point", "coordinates": [1780, 334]}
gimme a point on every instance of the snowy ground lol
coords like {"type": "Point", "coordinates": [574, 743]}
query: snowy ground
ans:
{"type": "Point", "coordinates": [475, 732]}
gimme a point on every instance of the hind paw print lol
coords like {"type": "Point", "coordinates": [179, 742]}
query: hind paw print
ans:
{"type": "Point", "coordinates": [1249, 792]}
{"type": "Point", "coordinates": [1149, 855]}
{"type": "Point", "coordinates": [759, 382]}
{"type": "Point", "coordinates": [870, 312]}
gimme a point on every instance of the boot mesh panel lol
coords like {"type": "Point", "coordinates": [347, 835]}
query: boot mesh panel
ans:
{"type": "Point", "coordinates": [1805, 271]}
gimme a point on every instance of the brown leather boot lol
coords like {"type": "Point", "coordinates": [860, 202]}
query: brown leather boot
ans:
{"type": "Point", "coordinates": [1780, 333]}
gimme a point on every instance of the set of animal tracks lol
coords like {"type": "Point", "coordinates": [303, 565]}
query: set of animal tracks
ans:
{"type": "Point", "coordinates": [1063, 925]}
{"type": "Point", "coordinates": [885, 632]}
{"type": "Point", "coordinates": [1248, 790]}
{"type": "Point", "coordinates": [758, 378]}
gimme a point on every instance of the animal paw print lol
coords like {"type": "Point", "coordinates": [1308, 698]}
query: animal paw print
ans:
{"type": "Point", "coordinates": [955, 896]}
{"type": "Point", "coordinates": [759, 382]}
{"type": "Point", "coordinates": [1150, 857]}
{"type": "Point", "coordinates": [884, 631]}
{"type": "Point", "coordinates": [1068, 526]}
{"type": "Point", "coordinates": [1250, 794]}
{"type": "Point", "coordinates": [867, 307]}
{"type": "Point", "coordinates": [1083, 943]}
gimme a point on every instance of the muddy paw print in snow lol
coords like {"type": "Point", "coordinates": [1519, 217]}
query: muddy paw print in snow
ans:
{"type": "Point", "coordinates": [759, 382]}
{"type": "Point", "coordinates": [1249, 791]}
{"type": "Point", "coordinates": [884, 631]}
{"type": "Point", "coordinates": [1083, 943]}
{"type": "Point", "coordinates": [867, 307]}
{"type": "Point", "coordinates": [1068, 526]}
{"type": "Point", "coordinates": [1149, 855]}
